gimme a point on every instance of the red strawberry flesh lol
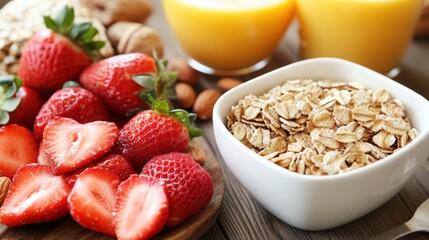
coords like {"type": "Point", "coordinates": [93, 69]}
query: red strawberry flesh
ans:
{"type": "Point", "coordinates": [141, 208]}
{"type": "Point", "coordinates": [112, 162]}
{"type": "Point", "coordinates": [71, 145]}
{"type": "Point", "coordinates": [76, 103]}
{"type": "Point", "coordinates": [18, 146]}
{"type": "Point", "coordinates": [35, 196]}
{"type": "Point", "coordinates": [92, 200]}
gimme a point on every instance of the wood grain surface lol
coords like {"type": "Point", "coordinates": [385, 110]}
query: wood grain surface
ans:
{"type": "Point", "coordinates": [241, 217]}
{"type": "Point", "coordinates": [192, 228]}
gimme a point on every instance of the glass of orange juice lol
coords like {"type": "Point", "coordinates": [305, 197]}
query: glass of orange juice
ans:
{"type": "Point", "coordinates": [374, 33]}
{"type": "Point", "coordinates": [229, 37]}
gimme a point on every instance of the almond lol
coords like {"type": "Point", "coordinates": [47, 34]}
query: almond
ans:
{"type": "Point", "coordinates": [185, 72]}
{"type": "Point", "coordinates": [197, 154]}
{"type": "Point", "coordinates": [226, 84]}
{"type": "Point", "coordinates": [185, 94]}
{"type": "Point", "coordinates": [4, 188]}
{"type": "Point", "coordinates": [205, 102]}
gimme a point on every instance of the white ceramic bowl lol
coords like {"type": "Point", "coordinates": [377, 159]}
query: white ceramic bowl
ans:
{"type": "Point", "coordinates": [322, 202]}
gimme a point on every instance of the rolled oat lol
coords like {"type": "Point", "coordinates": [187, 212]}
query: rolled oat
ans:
{"type": "Point", "coordinates": [321, 127]}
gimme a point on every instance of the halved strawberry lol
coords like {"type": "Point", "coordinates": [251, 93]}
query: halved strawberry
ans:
{"type": "Point", "coordinates": [72, 102]}
{"type": "Point", "coordinates": [18, 146]}
{"type": "Point", "coordinates": [35, 196]}
{"type": "Point", "coordinates": [71, 145]}
{"type": "Point", "coordinates": [112, 162]}
{"type": "Point", "coordinates": [92, 200]}
{"type": "Point", "coordinates": [43, 158]}
{"type": "Point", "coordinates": [141, 208]}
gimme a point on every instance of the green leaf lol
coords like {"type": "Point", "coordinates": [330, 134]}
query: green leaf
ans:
{"type": "Point", "coordinates": [169, 93]}
{"type": "Point", "coordinates": [94, 46]}
{"type": "Point", "coordinates": [148, 97]}
{"type": "Point", "coordinates": [146, 80]}
{"type": "Point", "coordinates": [51, 24]}
{"type": "Point", "coordinates": [181, 116]}
{"type": "Point", "coordinates": [161, 106]}
{"type": "Point", "coordinates": [10, 104]}
{"type": "Point", "coordinates": [64, 19]}
{"type": "Point", "coordinates": [70, 84]}
{"type": "Point", "coordinates": [195, 132]}
{"type": "Point", "coordinates": [79, 29]}
{"type": "Point", "coordinates": [4, 117]}
{"type": "Point", "coordinates": [87, 37]}
{"type": "Point", "coordinates": [10, 85]}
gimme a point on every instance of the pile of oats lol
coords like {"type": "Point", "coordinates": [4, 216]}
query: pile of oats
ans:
{"type": "Point", "coordinates": [321, 127]}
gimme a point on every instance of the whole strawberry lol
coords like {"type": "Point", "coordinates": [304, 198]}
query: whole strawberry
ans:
{"type": "Point", "coordinates": [76, 103]}
{"type": "Point", "coordinates": [18, 104]}
{"type": "Point", "coordinates": [189, 187]}
{"type": "Point", "coordinates": [58, 54]}
{"type": "Point", "coordinates": [154, 132]}
{"type": "Point", "coordinates": [111, 80]}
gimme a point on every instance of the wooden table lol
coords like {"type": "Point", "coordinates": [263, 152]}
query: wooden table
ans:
{"type": "Point", "coordinates": [242, 217]}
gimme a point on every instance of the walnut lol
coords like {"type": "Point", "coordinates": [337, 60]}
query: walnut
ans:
{"type": "Point", "coordinates": [112, 11]}
{"type": "Point", "coordinates": [130, 37]}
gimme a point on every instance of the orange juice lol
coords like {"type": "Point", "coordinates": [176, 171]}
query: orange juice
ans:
{"type": "Point", "coordinates": [229, 34]}
{"type": "Point", "coordinates": [374, 33]}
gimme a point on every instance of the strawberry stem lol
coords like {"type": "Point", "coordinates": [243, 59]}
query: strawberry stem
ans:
{"type": "Point", "coordinates": [80, 33]}
{"type": "Point", "coordinates": [159, 90]}
{"type": "Point", "coordinates": [184, 117]}
{"type": "Point", "coordinates": [159, 85]}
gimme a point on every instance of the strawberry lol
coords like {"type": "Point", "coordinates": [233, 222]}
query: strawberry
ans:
{"type": "Point", "coordinates": [141, 208]}
{"type": "Point", "coordinates": [35, 196]}
{"type": "Point", "coordinates": [92, 200]}
{"type": "Point", "coordinates": [43, 158]}
{"type": "Point", "coordinates": [71, 145]}
{"type": "Point", "coordinates": [60, 53]}
{"type": "Point", "coordinates": [76, 103]}
{"type": "Point", "coordinates": [18, 146]}
{"type": "Point", "coordinates": [154, 132]}
{"type": "Point", "coordinates": [111, 80]}
{"type": "Point", "coordinates": [27, 110]}
{"type": "Point", "coordinates": [112, 162]}
{"type": "Point", "coordinates": [189, 186]}
{"type": "Point", "coordinates": [18, 104]}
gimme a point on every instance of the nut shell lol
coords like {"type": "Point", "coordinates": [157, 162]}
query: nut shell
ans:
{"type": "Point", "coordinates": [144, 40]}
{"type": "Point", "coordinates": [111, 11]}
{"type": "Point", "coordinates": [121, 30]}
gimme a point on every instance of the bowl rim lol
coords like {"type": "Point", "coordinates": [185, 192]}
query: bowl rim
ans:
{"type": "Point", "coordinates": [218, 120]}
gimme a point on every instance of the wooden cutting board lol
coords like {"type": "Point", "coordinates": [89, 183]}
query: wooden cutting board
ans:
{"type": "Point", "coordinates": [192, 228]}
